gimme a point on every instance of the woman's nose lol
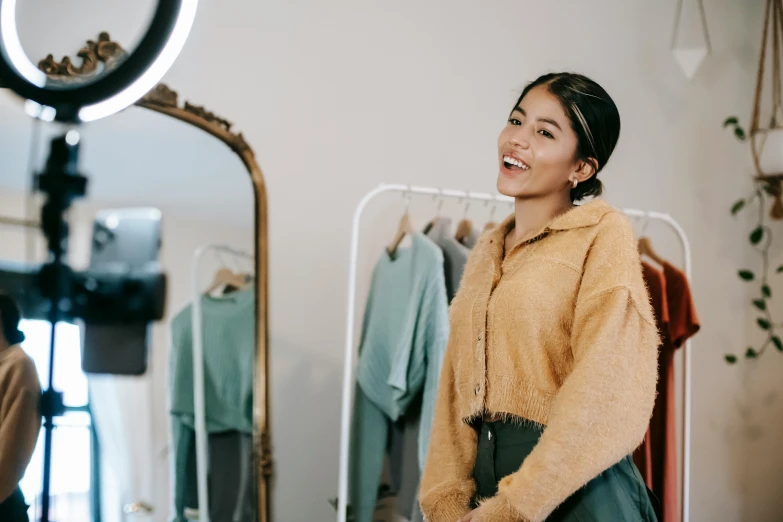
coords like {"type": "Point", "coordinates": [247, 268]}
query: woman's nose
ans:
{"type": "Point", "coordinates": [521, 139]}
{"type": "Point", "coordinates": [522, 136]}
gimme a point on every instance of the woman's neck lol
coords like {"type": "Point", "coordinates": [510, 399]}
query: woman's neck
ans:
{"type": "Point", "coordinates": [531, 214]}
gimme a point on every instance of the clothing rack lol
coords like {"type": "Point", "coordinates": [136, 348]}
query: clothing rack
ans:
{"type": "Point", "coordinates": [198, 373]}
{"type": "Point", "coordinates": [345, 419]}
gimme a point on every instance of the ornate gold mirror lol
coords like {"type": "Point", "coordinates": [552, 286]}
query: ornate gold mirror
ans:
{"type": "Point", "coordinates": [95, 57]}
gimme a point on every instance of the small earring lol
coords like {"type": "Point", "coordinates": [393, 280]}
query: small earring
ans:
{"type": "Point", "coordinates": [574, 183]}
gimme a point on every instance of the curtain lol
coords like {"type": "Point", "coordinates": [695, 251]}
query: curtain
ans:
{"type": "Point", "coordinates": [122, 413]}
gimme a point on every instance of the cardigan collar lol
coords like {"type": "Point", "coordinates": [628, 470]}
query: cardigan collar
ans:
{"type": "Point", "coordinates": [586, 215]}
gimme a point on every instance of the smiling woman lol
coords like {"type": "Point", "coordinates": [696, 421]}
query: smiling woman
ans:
{"type": "Point", "coordinates": [542, 401]}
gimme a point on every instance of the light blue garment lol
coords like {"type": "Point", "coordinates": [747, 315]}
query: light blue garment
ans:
{"type": "Point", "coordinates": [403, 340]}
{"type": "Point", "coordinates": [228, 339]}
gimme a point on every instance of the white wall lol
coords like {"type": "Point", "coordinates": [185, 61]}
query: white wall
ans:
{"type": "Point", "coordinates": [337, 98]}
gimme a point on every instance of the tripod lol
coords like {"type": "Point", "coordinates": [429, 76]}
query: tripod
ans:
{"type": "Point", "coordinates": [62, 183]}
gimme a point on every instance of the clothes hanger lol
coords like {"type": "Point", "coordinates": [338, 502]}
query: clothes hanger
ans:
{"type": "Point", "coordinates": [228, 279]}
{"type": "Point", "coordinates": [644, 245]}
{"type": "Point", "coordinates": [405, 227]}
{"type": "Point", "coordinates": [491, 221]}
{"type": "Point", "coordinates": [465, 226]}
{"type": "Point", "coordinates": [438, 209]}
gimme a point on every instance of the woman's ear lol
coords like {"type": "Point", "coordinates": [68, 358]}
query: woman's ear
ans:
{"type": "Point", "coordinates": [585, 170]}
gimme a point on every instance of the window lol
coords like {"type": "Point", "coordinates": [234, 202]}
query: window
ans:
{"type": "Point", "coordinates": [73, 443]}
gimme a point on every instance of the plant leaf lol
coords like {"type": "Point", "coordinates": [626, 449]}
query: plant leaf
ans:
{"type": "Point", "coordinates": [780, 269]}
{"type": "Point", "coordinates": [731, 120]}
{"type": "Point", "coordinates": [766, 291]}
{"type": "Point", "coordinates": [777, 342]}
{"type": "Point", "coordinates": [756, 235]}
{"type": "Point", "coordinates": [737, 206]}
{"type": "Point", "coordinates": [769, 189]}
{"type": "Point", "coordinates": [760, 304]}
{"type": "Point", "coordinates": [731, 359]}
{"type": "Point", "coordinates": [739, 133]}
{"type": "Point", "coordinates": [751, 353]}
{"type": "Point", "coordinates": [763, 323]}
{"type": "Point", "coordinates": [746, 275]}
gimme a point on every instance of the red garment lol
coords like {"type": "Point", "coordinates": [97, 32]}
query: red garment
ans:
{"type": "Point", "coordinates": [656, 286]}
{"type": "Point", "coordinates": [657, 457]}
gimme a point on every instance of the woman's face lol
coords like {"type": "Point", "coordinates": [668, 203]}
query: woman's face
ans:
{"type": "Point", "coordinates": [537, 148]}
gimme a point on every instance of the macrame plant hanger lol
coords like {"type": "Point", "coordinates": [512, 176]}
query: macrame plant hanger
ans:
{"type": "Point", "coordinates": [773, 181]}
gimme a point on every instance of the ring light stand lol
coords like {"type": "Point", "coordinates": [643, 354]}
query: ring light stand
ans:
{"type": "Point", "coordinates": [117, 87]}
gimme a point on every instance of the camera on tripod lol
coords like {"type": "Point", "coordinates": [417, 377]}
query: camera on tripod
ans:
{"type": "Point", "coordinates": [118, 295]}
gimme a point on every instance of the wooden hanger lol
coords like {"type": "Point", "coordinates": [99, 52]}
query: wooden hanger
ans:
{"type": "Point", "coordinates": [464, 229]}
{"type": "Point", "coordinates": [644, 245]}
{"type": "Point", "coordinates": [405, 227]}
{"type": "Point", "coordinates": [491, 223]}
{"type": "Point", "coordinates": [227, 278]}
{"type": "Point", "coordinates": [646, 249]}
{"type": "Point", "coordinates": [438, 210]}
{"type": "Point", "coordinates": [465, 226]}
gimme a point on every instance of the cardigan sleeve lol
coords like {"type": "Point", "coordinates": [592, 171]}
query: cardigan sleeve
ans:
{"type": "Point", "coordinates": [21, 422]}
{"type": "Point", "coordinates": [603, 408]}
{"type": "Point", "coordinates": [447, 485]}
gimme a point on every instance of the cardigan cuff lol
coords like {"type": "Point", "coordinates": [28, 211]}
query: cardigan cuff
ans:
{"type": "Point", "coordinates": [499, 509]}
{"type": "Point", "coordinates": [447, 508]}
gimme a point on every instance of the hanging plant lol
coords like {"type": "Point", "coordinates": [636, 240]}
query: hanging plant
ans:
{"type": "Point", "coordinates": [766, 144]}
{"type": "Point", "coordinates": [760, 239]}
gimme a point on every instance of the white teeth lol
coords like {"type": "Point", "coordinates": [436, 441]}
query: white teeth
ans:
{"type": "Point", "coordinates": [514, 161]}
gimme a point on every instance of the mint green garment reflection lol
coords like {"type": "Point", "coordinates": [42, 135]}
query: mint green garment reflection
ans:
{"type": "Point", "coordinates": [403, 340]}
{"type": "Point", "coordinates": [228, 325]}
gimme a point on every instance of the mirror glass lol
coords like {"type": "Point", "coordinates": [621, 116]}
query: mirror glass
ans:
{"type": "Point", "coordinates": [132, 439]}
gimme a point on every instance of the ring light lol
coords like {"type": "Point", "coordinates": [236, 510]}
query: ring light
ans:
{"type": "Point", "coordinates": [114, 90]}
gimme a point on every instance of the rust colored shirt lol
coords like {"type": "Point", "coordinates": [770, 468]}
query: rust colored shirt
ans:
{"type": "Point", "coordinates": [675, 314]}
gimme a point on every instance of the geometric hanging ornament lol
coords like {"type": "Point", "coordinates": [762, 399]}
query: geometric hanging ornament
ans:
{"type": "Point", "coordinates": [691, 38]}
{"type": "Point", "coordinates": [766, 135]}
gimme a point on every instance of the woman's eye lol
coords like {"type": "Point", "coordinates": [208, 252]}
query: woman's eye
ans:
{"type": "Point", "coordinates": [546, 134]}
{"type": "Point", "coordinates": [514, 121]}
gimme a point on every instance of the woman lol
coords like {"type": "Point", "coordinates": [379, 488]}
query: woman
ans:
{"type": "Point", "coordinates": [20, 420]}
{"type": "Point", "coordinates": [549, 376]}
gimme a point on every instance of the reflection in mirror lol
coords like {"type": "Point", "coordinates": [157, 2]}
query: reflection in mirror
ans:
{"type": "Point", "coordinates": [40, 17]}
{"type": "Point", "coordinates": [190, 434]}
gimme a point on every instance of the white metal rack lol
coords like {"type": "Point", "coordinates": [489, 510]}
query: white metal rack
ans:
{"type": "Point", "coordinates": [202, 452]}
{"type": "Point", "coordinates": [345, 419]}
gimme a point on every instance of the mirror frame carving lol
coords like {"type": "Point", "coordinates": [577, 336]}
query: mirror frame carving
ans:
{"type": "Point", "coordinates": [96, 57]}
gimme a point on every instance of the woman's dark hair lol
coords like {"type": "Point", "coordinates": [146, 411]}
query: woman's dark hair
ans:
{"type": "Point", "coordinates": [594, 118]}
{"type": "Point", "coordinates": [9, 319]}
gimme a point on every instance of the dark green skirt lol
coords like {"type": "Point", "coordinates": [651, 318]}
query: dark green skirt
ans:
{"type": "Point", "coordinates": [618, 494]}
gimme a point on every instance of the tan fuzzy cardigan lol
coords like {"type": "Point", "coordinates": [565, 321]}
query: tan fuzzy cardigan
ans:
{"type": "Point", "coordinates": [20, 418]}
{"type": "Point", "coordinates": [560, 332]}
